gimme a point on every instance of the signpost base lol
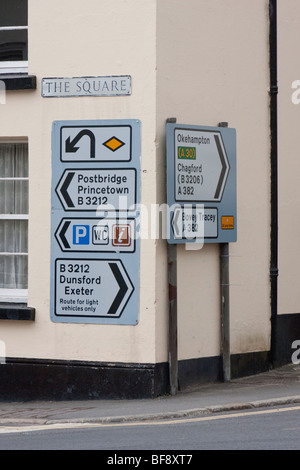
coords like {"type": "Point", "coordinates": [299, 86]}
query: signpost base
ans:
{"type": "Point", "coordinates": [173, 352]}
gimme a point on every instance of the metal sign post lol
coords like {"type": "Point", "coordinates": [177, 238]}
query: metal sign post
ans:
{"type": "Point", "coordinates": [201, 198]}
{"type": "Point", "coordinates": [225, 304]}
{"type": "Point", "coordinates": [173, 343]}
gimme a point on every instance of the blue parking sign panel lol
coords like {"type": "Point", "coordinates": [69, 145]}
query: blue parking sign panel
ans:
{"type": "Point", "coordinates": [95, 198]}
{"type": "Point", "coordinates": [81, 234]}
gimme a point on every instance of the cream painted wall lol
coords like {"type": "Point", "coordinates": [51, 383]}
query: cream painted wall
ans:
{"type": "Point", "coordinates": [288, 157]}
{"type": "Point", "coordinates": [75, 38]}
{"type": "Point", "coordinates": [213, 67]}
{"type": "Point", "coordinates": [201, 61]}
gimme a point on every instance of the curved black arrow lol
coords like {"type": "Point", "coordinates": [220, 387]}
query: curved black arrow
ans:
{"type": "Point", "coordinates": [70, 145]}
{"type": "Point", "coordinates": [223, 162]}
{"type": "Point", "coordinates": [64, 188]}
{"type": "Point", "coordinates": [122, 291]}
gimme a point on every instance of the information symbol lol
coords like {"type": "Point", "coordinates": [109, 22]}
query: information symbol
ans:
{"type": "Point", "coordinates": [121, 235]}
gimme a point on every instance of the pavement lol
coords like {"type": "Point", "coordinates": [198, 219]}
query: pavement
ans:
{"type": "Point", "coordinates": [280, 386]}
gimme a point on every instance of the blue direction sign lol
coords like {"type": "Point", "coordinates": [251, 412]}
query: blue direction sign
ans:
{"type": "Point", "coordinates": [96, 142]}
{"type": "Point", "coordinates": [96, 235]}
{"type": "Point", "coordinates": [201, 183]}
{"type": "Point", "coordinates": [87, 190]}
{"type": "Point", "coordinates": [82, 287]}
{"type": "Point", "coordinates": [95, 250]}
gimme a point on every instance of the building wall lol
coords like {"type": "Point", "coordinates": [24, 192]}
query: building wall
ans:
{"type": "Point", "coordinates": [72, 39]}
{"type": "Point", "coordinates": [202, 62]}
{"type": "Point", "coordinates": [288, 162]}
{"type": "Point", "coordinates": [286, 325]}
{"type": "Point", "coordinates": [213, 67]}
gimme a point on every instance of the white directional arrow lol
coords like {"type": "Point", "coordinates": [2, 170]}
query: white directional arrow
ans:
{"type": "Point", "coordinates": [201, 165]}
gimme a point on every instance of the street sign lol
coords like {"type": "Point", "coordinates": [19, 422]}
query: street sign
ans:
{"type": "Point", "coordinates": [91, 288]}
{"type": "Point", "coordinates": [96, 235]}
{"type": "Point", "coordinates": [99, 143]}
{"type": "Point", "coordinates": [95, 250]}
{"type": "Point", "coordinates": [94, 189]}
{"type": "Point", "coordinates": [201, 167]}
{"type": "Point", "coordinates": [188, 222]}
{"type": "Point", "coordinates": [63, 87]}
{"type": "Point", "coordinates": [201, 183]}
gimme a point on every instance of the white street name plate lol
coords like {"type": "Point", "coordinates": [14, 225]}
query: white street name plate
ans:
{"type": "Point", "coordinates": [86, 86]}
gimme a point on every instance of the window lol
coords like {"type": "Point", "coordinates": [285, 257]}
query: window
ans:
{"type": "Point", "coordinates": [13, 222]}
{"type": "Point", "coordinates": [13, 36]}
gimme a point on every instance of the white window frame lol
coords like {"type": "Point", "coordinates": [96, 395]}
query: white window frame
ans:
{"type": "Point", "coordinates": [14, 295]}
{"type": "Point", "coordinates": [14, 66]}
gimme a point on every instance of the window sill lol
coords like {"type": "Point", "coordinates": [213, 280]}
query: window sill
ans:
{"type": "Point", "coordinates": [18, 81]}
{"type": "Point", "coordinates": [16, 312]}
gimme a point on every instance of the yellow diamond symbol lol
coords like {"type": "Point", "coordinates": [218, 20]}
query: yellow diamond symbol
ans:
{"type": "Point", "coordinates": [113, 143]}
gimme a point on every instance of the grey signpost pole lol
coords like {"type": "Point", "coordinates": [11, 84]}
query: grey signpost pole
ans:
{"type": "Point", "coordinates": [173, 346]}
{"type": "Point", "coordinates": [225, 322]}
{"type": "Point", "coordinates": [173, 353]}
{"type": "Point", "coordinates": [225, 309]}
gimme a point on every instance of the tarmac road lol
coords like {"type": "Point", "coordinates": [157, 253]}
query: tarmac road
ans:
{"type": "Point", "coordinates": [165, 441]}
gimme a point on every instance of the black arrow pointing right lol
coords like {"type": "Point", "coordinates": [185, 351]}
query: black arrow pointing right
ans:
{"type": "Point", "coordinates": [223, 162]}
{"type": "Point", "coordinates": [122, 291]}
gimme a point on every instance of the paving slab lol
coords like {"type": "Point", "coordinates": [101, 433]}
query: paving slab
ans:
{"type": "Point", "coordinates": [273, 388]}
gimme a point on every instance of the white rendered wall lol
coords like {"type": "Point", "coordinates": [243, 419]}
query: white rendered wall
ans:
{"type": "Point", "coordinates": [212, 67]}
{"type": "Point", "coordinates": [74, 39]}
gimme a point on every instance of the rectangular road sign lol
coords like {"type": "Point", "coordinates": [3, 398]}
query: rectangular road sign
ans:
{"type": "Point", "coordinates": [119, 85]}
{"type": "Point", "coordinates": [95, 251]}
{"type": "Point", "coordinates": [91, 288]}
{"type": "Point", "coordinates": [189, 222]}
{"type": "Point", "coordinates": [201, 176]}
{"type": "Point", "coordinates": [97, 143]}
{"type": "Point", "coordinates": [110, 235]}
{"type": "Point", "coordinates": [88, 190]}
